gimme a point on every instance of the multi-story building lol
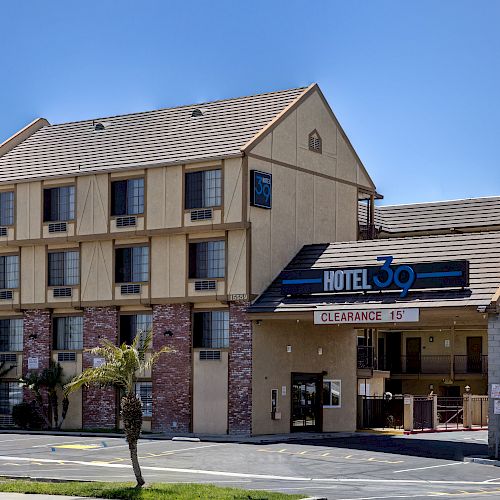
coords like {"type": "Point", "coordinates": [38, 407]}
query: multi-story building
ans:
{"type": "Point", "coordinates": [173, 220]}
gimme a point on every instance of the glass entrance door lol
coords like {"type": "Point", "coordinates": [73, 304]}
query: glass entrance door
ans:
{"type": "Point", "coordinates": [306, 402]}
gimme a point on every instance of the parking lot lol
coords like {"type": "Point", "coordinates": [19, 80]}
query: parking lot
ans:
{"type": "Point", "coordinates": [364, 467]}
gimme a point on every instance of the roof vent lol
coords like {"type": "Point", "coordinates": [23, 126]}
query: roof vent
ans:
{"type": "Point", "coordinates": [198, 112]}
{"type": "Point", "coordinates": [100, 125]}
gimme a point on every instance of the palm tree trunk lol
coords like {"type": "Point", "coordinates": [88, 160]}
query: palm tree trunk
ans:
{"type": "Point", "coordinates": [132, 423]}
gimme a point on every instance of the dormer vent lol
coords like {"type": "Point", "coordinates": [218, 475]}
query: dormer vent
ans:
{"type": "Point", "coordinates": [198, 112]}
{"type": "Point", "coordinates": [100, 125]}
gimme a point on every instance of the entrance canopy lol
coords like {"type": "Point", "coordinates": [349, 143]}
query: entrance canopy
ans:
{"type": "Point", "coordinates": [455, 270]}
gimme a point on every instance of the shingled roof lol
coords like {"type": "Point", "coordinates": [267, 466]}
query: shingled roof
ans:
{"type": "Point", "coordinates": [481, 249]}
{"type": "Point", "coordinates": [150, 138]}
{"type": "Point", "coordinates": [468, 214]}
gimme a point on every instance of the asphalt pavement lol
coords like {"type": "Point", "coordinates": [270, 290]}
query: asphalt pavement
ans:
{"type": "Point", "coordinates": [360, 467]}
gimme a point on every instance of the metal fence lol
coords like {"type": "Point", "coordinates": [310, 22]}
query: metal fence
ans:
{"type": "Point", "coordinates": [423, 412]}
{"type": "Point", "coordinates": [379, 412]}
{"type": "Point", "coordinates": [450, 412]}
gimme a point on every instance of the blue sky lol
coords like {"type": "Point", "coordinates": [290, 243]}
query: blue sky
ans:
{"type": "Point", "coordinates": [415, 83]}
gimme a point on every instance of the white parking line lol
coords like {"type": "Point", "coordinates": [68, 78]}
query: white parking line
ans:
{"type": "Point", "coordinates": [430, 467]}
{"type": "Point", "coordinates": [244, 475]}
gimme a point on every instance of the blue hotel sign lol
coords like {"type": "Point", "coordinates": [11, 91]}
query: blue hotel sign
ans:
{"type": "Point", "coordinates": [261, 193]}
{"type": "Point", "coordinates": [388, 276]}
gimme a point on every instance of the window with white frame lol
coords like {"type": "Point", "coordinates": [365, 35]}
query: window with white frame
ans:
{"type": "Point", "coordinates": [127, 197]}
{"type": "Point", "coordinates": [68, 333]}
{"type": "Point", "coordinates": [211, 329]}
{"type": "Point", "coordinates": [11, 394]}
{"type": "Point", "coordinates": [9, 271]}
{"type": "Point", "coordinates": [11, 335]}
{"type": "Point", "coordinates": [132, 325]}
{"type": "Point", "coordinates": [6, 208]}
{"type": "Point", "coordinates": [332, 393]}
{"type": "Point", "coordinates": [203, 189]}
{"type": "Point", "coordinates": [59, 204]}
{"type": "Point", "coordinates": [207, 259]}
{"type": "Point", "coordinates": [64, 268]}
{"type": "Point", "coordinates": [144, 392]}
{"type": "Point", "coordinates": [132, 264]}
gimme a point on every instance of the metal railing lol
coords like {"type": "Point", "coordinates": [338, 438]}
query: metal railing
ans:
{"type": "Point", "coordinates": [471, 363]}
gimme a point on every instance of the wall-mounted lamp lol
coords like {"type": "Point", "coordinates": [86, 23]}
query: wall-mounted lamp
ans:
{"type": "Point", "coordinates": [320, 351]}
{"type": "Point", "coordinates": [258, 322]}
{"type": "Point", "coordinates": [32, 336]}
{"type": "Point", "coordinates": [467, 388]}
{"type": "Point", "coordinates": [288, 348]}
{"type": "Point", "coordinates": [168, 333]}
{"type": "Point", "coordinates": [431, 339]}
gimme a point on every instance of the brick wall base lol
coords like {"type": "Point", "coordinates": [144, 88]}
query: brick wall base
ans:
{"type": "Point", "coordinates": [172, 373]}
{"type": "Point", "coordinates": [240, 370]}
{"type": "Point", "coordinates": [99, 408]}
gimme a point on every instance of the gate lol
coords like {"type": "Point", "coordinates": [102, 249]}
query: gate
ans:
{"type": "Point", "coordinates": [422, 412]}
{"type": "Point", "coordinates": [450, 412]}
{"type": "Point", "coordinates": [379, 412]}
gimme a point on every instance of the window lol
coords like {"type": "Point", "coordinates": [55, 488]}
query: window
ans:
{"type": "Point", "coordinates": [59, 204]}
{"type": "Point", "coordinates": [68, 333]}
{"type": "Point", "coordinates": [203, 189]}
{"type": "Point", "coordinates": [127, 197]}
{"type": "Point", "coordinates": [11, 335]}
{"type": "Point", "coordinates": [11, 394]}
{"type": "Point", "coordinates": [315, 142]}
{"type": "Point", "coordinates": [132, 265]}
{"type": "Point", "coordinates": [207, 259]}
{"type": "Point", "coordinates": [144, 392]}
{"type": "Point", "coordinates": [331, 393]}
{"type": "Point", "coordinates": [64, 268]}
{"type": "Point", "coordinates": [7, 208]}
{"type": "Point", "coordinates": [134, 324]}
{"type": "Point", "coordinates": [211, 329]}
{"type": "Point", "coordinates": [9, 271]}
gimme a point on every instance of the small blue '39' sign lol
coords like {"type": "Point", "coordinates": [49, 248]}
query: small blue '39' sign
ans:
{"type": "Point", "coordinates": [260, 189]}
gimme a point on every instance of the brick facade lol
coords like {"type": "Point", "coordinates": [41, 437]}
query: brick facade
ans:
{"type": "Point", "coordinates": [493, 377]}
{"type": "Point", "coordinates": [240, 370]}
{"type": "Point", "coordinates": [99, 404]}
{"type": "Point", "coordinates": [37, 338]}
{"type": "Point", "coordinates": [172, 374]}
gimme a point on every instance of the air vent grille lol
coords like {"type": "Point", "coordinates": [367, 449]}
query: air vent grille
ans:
{"type": "Point", "coordinates": [209, 355]}
{"type": "Point", "coordinates": [126, 221]}
{"type": "Point", "coordinates": [58, 227]}
{"type": "Point", "coordinates": [6, 294]}
{"type": "Point", "coordinates": [205, 285]}
{"type": "Point", "coordinates": [62, 292]}
{"type": "Point", "coordinates": [6, 421]}
{"type": "Point", "coordinates": [130, 289]}
{"type": "Point", "coordinates": [205, 214]}
{"type": "Point", "coordinates": [3, 231]}
{"type": "Point", "coordinates": [8, 357]}
{"type": "Point", "coordinates": [66, 356]}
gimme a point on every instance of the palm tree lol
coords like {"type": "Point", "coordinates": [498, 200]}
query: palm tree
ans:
{"type": "Point", "coordinates": [120, 368]}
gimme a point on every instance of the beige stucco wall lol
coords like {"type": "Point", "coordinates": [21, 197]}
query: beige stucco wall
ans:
{"type": "Point", "coordinates": [92, 201]}
{"type": "Point", "coordinates": [273, 366]}
{"type": "Point", "coordinates": [28, 210]}
{"type": "Point", "coordinates": [311, 204]}
{"type": "Point", "coordinates": [210, 393]}
{"type": "Point", "coordinates": [96, 262]}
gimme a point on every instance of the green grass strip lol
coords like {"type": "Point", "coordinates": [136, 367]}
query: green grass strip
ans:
{"type": "Point", "coordinates": [126, 491]}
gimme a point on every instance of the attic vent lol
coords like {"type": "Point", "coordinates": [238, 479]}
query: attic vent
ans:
{"type": "Point", "coordinates": [197, 112]}
{"type": "Point", "coordinates": [315, 142]}
{"type": "Point", "coordinates": [99, 126]}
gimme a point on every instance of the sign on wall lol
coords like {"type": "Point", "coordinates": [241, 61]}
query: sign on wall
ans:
{"type": "Point", "coordinates": [388, 276]}
{"type": "Point", "coordinates": [261, 189]}
{"type": "Point", "coordinates": [33, 363]}
{"type": "Point", "coordinates": [360, 316]}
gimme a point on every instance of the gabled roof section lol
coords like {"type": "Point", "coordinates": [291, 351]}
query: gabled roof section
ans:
{"type": "Point", "coordinates": [482, 250]}
{"type": "Point", "coordinates": [151, 138]}
{"type": "Point", "coordinates": [464, 215]}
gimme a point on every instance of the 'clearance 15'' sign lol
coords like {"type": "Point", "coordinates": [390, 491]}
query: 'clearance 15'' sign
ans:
{"type": "Point", "coordinates": [388, 276]}
{"type": "Point", "coordinates": [347, 316]}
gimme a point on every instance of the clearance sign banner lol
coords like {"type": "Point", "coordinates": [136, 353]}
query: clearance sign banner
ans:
{"type": "Point", "coordinates": [349, 316]}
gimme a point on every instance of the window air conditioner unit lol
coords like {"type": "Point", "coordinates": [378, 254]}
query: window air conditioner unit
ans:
{"type": "Point", "coordinates": [58, 227]}
{"type": "Point", "coordinates": [204, 214]}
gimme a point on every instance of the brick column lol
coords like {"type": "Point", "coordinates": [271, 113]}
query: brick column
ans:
{"type": "Point", "coordinates": [37, 338]}
{"type": "Point", "coordinates": [240, 370]}
{"type": "Point", "coordinates": [172, 373]}
{"type": "Point", "coordinates": [99, 408]}
{"type": "Point", "coordinates": [493, 378]}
